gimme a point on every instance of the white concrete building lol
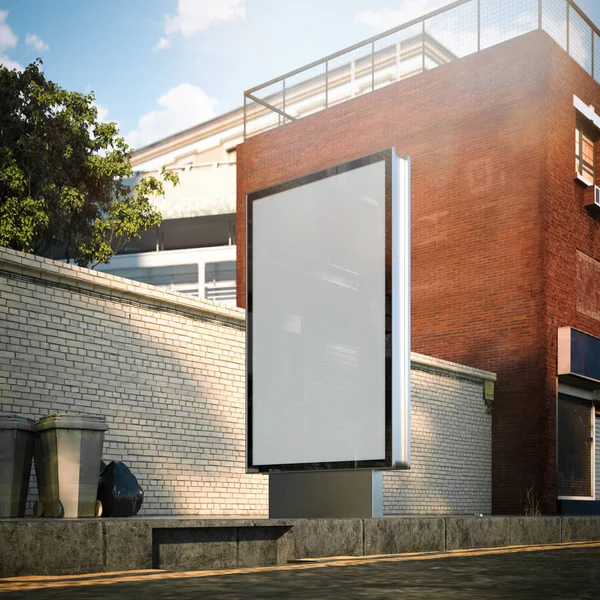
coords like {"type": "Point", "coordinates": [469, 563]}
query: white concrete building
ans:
{"type": "Point", "coordinates": [193, 250]}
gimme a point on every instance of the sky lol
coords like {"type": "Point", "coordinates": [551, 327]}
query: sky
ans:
{"type": "Point", "coordinates": [159, 66]}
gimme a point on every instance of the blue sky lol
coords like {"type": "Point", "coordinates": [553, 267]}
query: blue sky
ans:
{"type": "Point", "coordinates": [158, 66]}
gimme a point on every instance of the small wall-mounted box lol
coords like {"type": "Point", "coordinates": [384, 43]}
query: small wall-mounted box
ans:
{"type": "Point", "coordinates": [591, 199]}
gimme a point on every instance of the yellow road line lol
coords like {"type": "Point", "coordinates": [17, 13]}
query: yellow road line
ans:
{"type": "Point", "coordinates": [34, 583]}
{"type": "Point", "coordinates": [85, 576]}
{"type": "Point", "coordinates": [458, 552]}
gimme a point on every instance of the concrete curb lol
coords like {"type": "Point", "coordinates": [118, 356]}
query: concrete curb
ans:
{"type": "Point", "coordinates": [77, 546]}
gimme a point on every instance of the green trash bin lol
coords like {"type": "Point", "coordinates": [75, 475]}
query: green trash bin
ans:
{"type": "Point", "coordinates": [68, 450]}
{"type": "Point", "coordinates": [16, 449]}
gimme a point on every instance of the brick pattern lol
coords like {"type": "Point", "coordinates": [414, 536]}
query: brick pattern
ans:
{"type": "Point", "coordinates": [496, 222]}
{"type": "Point", "coordinates": [571, 236]}
{"type": "Point", "coordinates": [171, 385]}
{"type": "Point", "coordinates": [451, 448]}
{"type": "Point", "coordinates": [588, 286]}
{"type": "Point", "coordinates": [168, 372]}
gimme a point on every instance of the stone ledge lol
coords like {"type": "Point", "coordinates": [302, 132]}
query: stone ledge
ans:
{"type": "Point", "coordinates": [451, 367]}
{"type": "Point", "coordinates": [87, 279]}
{"type": "Point", "coordinates": [76, 546]}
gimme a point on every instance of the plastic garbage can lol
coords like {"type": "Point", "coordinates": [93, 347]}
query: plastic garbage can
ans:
{"type": "Point", "coordinates": [68, 449]}
{"type": "Point", "coordinates": [16, 449]}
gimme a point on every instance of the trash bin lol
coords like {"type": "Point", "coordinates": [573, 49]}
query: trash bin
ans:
{"type": "Point", "coordinates": [68, 449]}
{"type": "Point", "coordinates": [16, 449]}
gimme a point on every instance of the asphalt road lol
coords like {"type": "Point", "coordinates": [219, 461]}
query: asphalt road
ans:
{"type": "Point", "coordinates": [567, 573]}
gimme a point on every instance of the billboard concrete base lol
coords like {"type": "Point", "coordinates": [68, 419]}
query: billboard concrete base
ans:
{"type": "Point", "coordinates": [326, 494]}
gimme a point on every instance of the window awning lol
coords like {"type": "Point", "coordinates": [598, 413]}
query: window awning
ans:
{"type": "Point", "coordinates": [587, 111]}
{"type": "Point", "coordinates": [578, 358]}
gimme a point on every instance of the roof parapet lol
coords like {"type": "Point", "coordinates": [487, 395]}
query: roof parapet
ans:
{"type": "Point", "coordinates": [449, 33]}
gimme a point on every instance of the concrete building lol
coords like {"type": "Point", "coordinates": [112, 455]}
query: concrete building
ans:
{"type": "Point", "coordinates": [505, 236]}
{"type": "Point", "coordinates": [193, 250]}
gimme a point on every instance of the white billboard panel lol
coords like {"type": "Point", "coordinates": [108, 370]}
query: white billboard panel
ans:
{"type": "Point", "coordinates": [328, 353]}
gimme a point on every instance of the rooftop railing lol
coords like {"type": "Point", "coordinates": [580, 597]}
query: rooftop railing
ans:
{"type": "Point", "coordinates": [452, 32]}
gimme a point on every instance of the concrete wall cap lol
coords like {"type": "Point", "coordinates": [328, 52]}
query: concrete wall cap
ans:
{"type": "Point", "coordinates": [68, 274]}
{"type": "Point", "coordinates": [451, 367]}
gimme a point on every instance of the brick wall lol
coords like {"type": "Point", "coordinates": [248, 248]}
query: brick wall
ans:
{"type": "Point", "coordinates": [168, 372]}
{"type": "Point", "coordinates": [451, 445]}
{"type": "Point", "coordinates": [571, 236]}
{"type": "Point", "coordinates": [495, 224]}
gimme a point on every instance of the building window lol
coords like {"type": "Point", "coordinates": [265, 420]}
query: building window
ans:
{"type": "Point", "coordinates": [584, 155]}
{"type": "Point", "coordinates": [575, 446]}
{"type": "Point", "coordinates": [597, 451]}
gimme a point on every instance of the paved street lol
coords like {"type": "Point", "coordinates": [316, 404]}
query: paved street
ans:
{"type": "Point", "coordinates": [571, 572]}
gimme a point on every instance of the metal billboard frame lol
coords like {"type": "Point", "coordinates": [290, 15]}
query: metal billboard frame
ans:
{"type": "Point", "coordinates": [397, 314]}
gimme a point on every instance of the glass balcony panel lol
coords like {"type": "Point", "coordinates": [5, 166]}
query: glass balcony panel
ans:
{"type": "Point", "coordinates": [398, 55]}
{"type": "Point", "coordinates": [503, 20]}
{"type": "Point", "coordinates": [580, 40]}
{"type": "Point", "coordinates": [451, 34]}
{"type": "Point", "coordinates": [350, 75]}
{"type": "Point", "coordinates": [305, 92]}
{"type": "Point", "coordinates": [554, 20]}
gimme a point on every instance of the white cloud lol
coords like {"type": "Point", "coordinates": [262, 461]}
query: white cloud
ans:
{"type": "Point", "coordinates": [181, 107]}
{"type": "Point", "coordinates": [163, 43]}
{"type": "Point", "coordinates": [194, 16]}
{"type": "Point", "coordinates": [103, 116]}
{"type": "Point", "coordinates": [36, 42]}
{"type": "Point", "coordinates": [9, 63]}
{"type": "Point", "coordinates": [102, 112]}
{"type": "Point", "coordinates": [7, 40]}
{"type": "Point", "coordinates": [387, 18]}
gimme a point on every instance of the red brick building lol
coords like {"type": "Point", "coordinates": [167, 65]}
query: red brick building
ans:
{"type": "Point", "coordinates": [503, 250]}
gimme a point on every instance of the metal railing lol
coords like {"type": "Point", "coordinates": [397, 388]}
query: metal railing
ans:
{"type": "Point", "coordinates": [452, 32]}
{"type": "Point", "coordinates": [221, 291]}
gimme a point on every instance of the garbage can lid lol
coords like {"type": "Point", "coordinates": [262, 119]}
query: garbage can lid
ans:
{"type": "Point", "coordinates": [17, 422]}
{"type": "Point", "coordinates": [72, 422]}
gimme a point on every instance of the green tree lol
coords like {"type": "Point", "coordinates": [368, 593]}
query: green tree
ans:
{"type": "Point", "coordinates": [62, 174]}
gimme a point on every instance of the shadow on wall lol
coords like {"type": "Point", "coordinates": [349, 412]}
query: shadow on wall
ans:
{"type": "Point", "coordinates": [414, 491]}
{"type": "Point", "coordinates": [523, 417]}
{"type": "Point", "coordinates": [527, 458]}
{"type": "Point", "coordinates": [450, 449]}
{"type": "Point", "coordinates": [171, 386]}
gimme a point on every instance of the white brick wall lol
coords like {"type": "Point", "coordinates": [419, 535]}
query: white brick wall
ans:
{"type": "Point", "coordinates": [168, 373]}
{"type": "Point", "coordinates": [171, 384]}
{"type": "Point", "coordinates": [451, 444]}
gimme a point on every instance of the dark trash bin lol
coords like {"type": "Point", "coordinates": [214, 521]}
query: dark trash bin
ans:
{"type": "Point", "coordinates": [16, 450]}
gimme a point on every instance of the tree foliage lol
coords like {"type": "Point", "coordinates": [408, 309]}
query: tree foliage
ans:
{"type": "Point", "coordinates": [63, 189]}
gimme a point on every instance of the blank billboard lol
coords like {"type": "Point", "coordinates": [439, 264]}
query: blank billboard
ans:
{"type": "Point", "coordinates": [328, 356]}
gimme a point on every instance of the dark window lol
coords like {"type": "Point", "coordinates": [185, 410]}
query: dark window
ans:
{"type": "Point", "coordinates": [575, 438]}
{"type": "Point", "coordinates": [585, 355]}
